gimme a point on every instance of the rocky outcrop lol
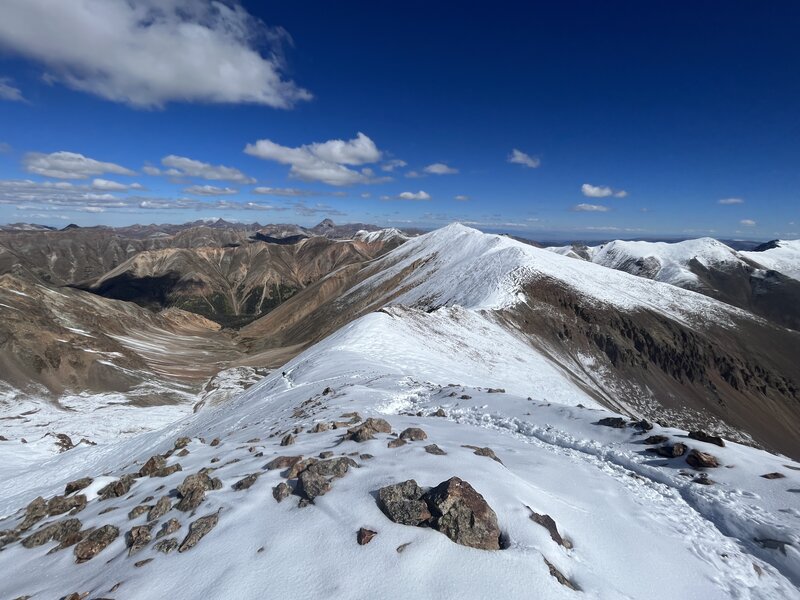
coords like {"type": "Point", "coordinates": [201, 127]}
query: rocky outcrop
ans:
{"type": "Point", "coordinates": [95, 542]}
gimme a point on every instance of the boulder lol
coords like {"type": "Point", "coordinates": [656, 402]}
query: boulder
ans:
{"type": "Point", "coordinates": [198, 530]}
{"type": "Point", "coordinates": [54, 531]}
{"type": "Point", "coordinates": [58, 505]}
{"type": "Point", "coordinates": [463, 515]}
{"type": "Point", "coordinates": [118, 488]}
{"type": "Point", "coordinates": [166, 546]}
{"type": "Point", "coordinates": [137, 538]}
{"type": "Point", "coordinates": [403, 503]}
{"type": "Point", "coordinates": [364, 536]}
{"type": "Point", "coordinates": [310, 485]}
{"type": "Point", "coordinates": [160, 508]}
{"type": "Point", "coordinates": [139, 510]}
{"type": "Point", "coordinates": [702, 436]}
{"type": "Point", "coordinates": [670, 450]}
{"type": "Point", "coordinates": [34, 512]}
{"type": "Point", "coordinates": [78, 484]}
{"type": "Point", "coordinates": [299, 467]}
{"type": "Point", "coordinates": [367, 430]}
{"type": "Point", "coordinates": [616, 422]}
{"type": "Point", "coordinates": [167, 471]}
{"type": "Point", "coordinates": [413, 434]}
{"type": "Point", "coordinates": [334, 467]}
{"type": "Point", "coordinates": [287, 440]}
{"type": "Point", "coordinates": [701, 460]}
{"type": "Point", "coordinates": [281, 491]}
{"type": "Point", "coordinates": [95, 542]}
{"type": "Point", "coordinates": [320, 427]}
{"type": "Point", "coordinates": [656, 439]}
{"type": "Point", "coordinates": [396, 443]}
{"type": "Point", "coordinates": [282, 462]}
{"type": "Point", "coordinates": [245, 482]}
{"type": "Point", "coordinates": [434, 449]}
{"type": "Point", "coordinates": [152, 464]}
{"type": "Point", "coordinates": [171, 526]}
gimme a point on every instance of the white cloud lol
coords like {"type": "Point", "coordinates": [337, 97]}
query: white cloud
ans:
{"type": "Point", "coordinates": [210, 190]}
{"type": "Point", "coordinates": [590, 208]}
{"type": "Point", "coordinates": [366, 195]}
{"type": "Point", "coordinates": [181, 166]}
{"type": "Point", "coordinates": [518, 157]}
{"type": "Point", "coordinates": [420, 195]}
{"type": "Point", "coordinates": [91, 209]}
{"type": "Point", "coordinates": [730, 201]}
{"type": "Point", "coordinates": [69, 165]}
{"type": "Point", "coordinates": [461, 198]}
{"type": "Point", "coordinates": [391, 165]}
{"type": "Point", "coordinates": [414, 174]}
{"type": "Point", "coordinates": [327, 162]}
{"type": "Point", "coordinates": [114, 186]}
{"type": "Point", "coordinates": [151, 52]}
{"type": "Point", "coordinates": [271, 191]}
{"type": "Point", "coordinates": [9, 92]}
{"type": "Point", "coordinates": [601, 191]}
{"type": "Point", "coordinates": [748, 222]}
{"type": "Point", "coordinates": [440, 169]}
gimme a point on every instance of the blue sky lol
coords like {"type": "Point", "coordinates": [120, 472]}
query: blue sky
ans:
{"type": "Point", "coordinates": [623, 119]}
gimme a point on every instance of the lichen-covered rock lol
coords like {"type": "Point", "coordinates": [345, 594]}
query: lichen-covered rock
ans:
{"type": "Point", "coordinates": [334, 467]}
{"type": "Point", "coordinates": [166, 546]}
{"type": "Point", "coordinates": [701, 460]}
{"type": "Point", "coordinates": [282, 462]}
{"type": "Point", "coordinates": [138, 511]}
{"type": "Point", "coordinates": [118, 488]}
{"type": "Point", "coordinates": [151, 465]}
{"type": "Point", "coordinates": [58, 505]}
{"type": "Point", "coordinates": [403, 503]}
{"type": "Point", "coordinates": [34, 512]}
{"type": "Point", "coordinates": [198, 530]}
{"type": "Point", "coordinates": [77, 485]}
{"type": "Point", "coordinates": [191, 499]}
{"type": "Point", "coordinates": [310, 485]}
{"type": "Point", "coordinates": [281, 491]}
{"type": "Point", "coordinates": [137, 538]}
{"type": "Point", "coordinates": [463, 515]}
{"type": "Point", "coordinates": [95, 542]}
{"type": "Point", "coordinates": [171, 526]}
{"type": "Point", "coordinates": [160, 508]}
{"type": "Point", "coordinates": [367, 430]}
{"type": "Point", "coordinates": [245, 482]}
{"type": "Point", "coordinates": [434, 449]}
{"type": "Point", "coordinates": [413, 434]}
{"type": "Point", "coordinates": [299, 467]}
{"type": "Point", "coordinates": [200, 479]}
{"type": "Point", "coordinates": [167, 470]}
{"type": "Point", "coordinates": [54, 531]}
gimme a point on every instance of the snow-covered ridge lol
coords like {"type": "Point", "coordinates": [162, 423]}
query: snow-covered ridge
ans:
{"type": "Point", "coordinates": [785, 257]}
{"type": "Point", "coordinates": [381, 235]}
{"type": "Point", "coordinates": [458, 265]}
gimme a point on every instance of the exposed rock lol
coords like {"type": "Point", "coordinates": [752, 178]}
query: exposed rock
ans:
{"type": "Point", "coordinates": [367, 430]}
{"type": "Point", "coordinates": [71, 538]}
{"type": "Point", "coordinates": [775, 475]}
{"type": "Point", "coordinates": [463, 515]}
{"type": "Point", "coordinates": [396, 443]}
{"type": "Point", "coordinates": [413, 434]}
{"type": "Point", "coordinates": [484, 452]}
{"type": "Point", "coordinates": [334, 467]}
{"type": "Point", "coordinates": [198, 530]}
{"type": "Point", "coordinates": [440, 411]}
{"type": "Point", "coordinates": [656, 439]}
{"type": "Point", "coordinates": [548, 523]}
{"type": "Point", "coordinates": [559, 575]}
{"type": "Point", "coordinates": [320, 427]}
{"type": "Point", "coordinates": [402, 547]}
{"type": "Point", "coordinates": [616, 422]}
{"type": "Point", "coordinates": [365, 456]}
{"type": "Point", "coordinates": [171, 526]}
{"type": "Point", "coordinates": [95, 543]}
{"type": "Point", "coordinates": [287, 440]}
{"type": "Point", "coordinates": [166, 546]}
{"type": "Point", "coordinates": [54, 531]}
{"type": "Point", "coordinates": [214, 442]}
{"type": "Point", "coordinates": [34, 512]}
{"type": "Point", "coordinates": [670, 450]}
{"type": "Point", "coordinates": [326, 454]}
{"type": "Point", "coordinates": [282, 462]}
{"type": "Point", "coordinates": [311, 484]}
{"type": "Point", "coordinates": [434, 449]}
{"type": "Point", "coordinates": [245, 482]}
{"type": "Point", "coordinates": [160, 508]}
{"type": "Point", "coordinates": [199, 479]}
{"type": "Point", "coordinates": [703, 479]}
{"type": "Point", "coordinates": [403, 503]}
{"type": "Point", "coordinates": [299, 467]}
{"type": "Point", "coordinates": [191, 499]}
{"type": "Point", "coordinates": [58, 505]}
{"type": "Point", "coordinates": [152, 464]}
{"type": "Point", "coordinates": [281, 491]}
{"type": "Point", "coordinates": [364, 536]}
{"type": "Point", "coordinates": [254, 440]}
{"type": "Point", "coordinates": [182, 442]}
{"type": "Point", "coordinates": [64, 442]}
{"type": "Point", "coordinates": [702, 436]}
{"type": "Point", "coordinates": [496, 391]}
{"type": "Point", "coordinates": [701, 460]}
{"type": "Point", "coordinates": [118, 488]}
{"type": "Point", "coordinates": [166, 471]}
{"type": "Point", "coordinates": [327, 391]}
{"type": "Point", "coordinates": [139, 510]}
{"type": "Point", "coordinates": [142, 563]}
{"type": "Point", "coordinates": [184, 452]}
{"type": "Point", "coordinates": [137, 538]}
{"type": "Point", "coordinates": [78, 484]}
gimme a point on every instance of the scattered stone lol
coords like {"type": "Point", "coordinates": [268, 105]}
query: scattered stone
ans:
{"type": "Point", "coordinates": [775, 475]}
{"type": "Point", "coordinates": [367, 430]}
{"type": "Point", "coordinates": [154, 463]}
{"type": "Point", "coordinates": [403, 503]}
{"type": "Point", "coordinates": [616, 422]}
{"type": "Point", "coordinates": [287, 440]}
{"type": "Point", "coordinates": [402, 547]}
{"type": "Point", "coordinates": [108, 510]}
{"type": "Point", "coordinates": [64, 442]}
{"type": "Point", "coordinates": [642, 425]}
{"type": "Point", "coordinates": [72, 596]}
{"type": "Point", "coordinates": [58, 505]}
{"type": "Point", "coordinates": [34, 512]}
{"type": "Point", "coordinates": [78, 484]}
{"type": "Point", "coordinates": [396, 443]}
{"type": "Point", "coordinates": [171, 526]}
{"type": "Point", "coordinates": [282, 462]}
{"type": "Point", "coordinates": [137, 538]}
{"type": "Point", "coordinates": [54, 531]}
{"type": "Point", "coordinates": [484, 452]}
{"type": "Point", "coordinates": [142, 563]}
{"type": "Point", "coordinates": [365, 456]}
{"type": "Point", "coordinates": [216, 459]}
{"type": "Point", "coordinates": [413, 434]}
{"type": "Point", "coordinates": [703, 479]}
{"type": "Point", "coordinates": [772, 544]}
{"type": "Point", "coordinates": [95, 543]}
{"type": "Point", "coordinates": [656, 439]}
{"type": "Point", "coordinates": [166, 546]}
{"type": "Point", "coordinates": [311, 485]}
{"type": "Point", "coordinates": [702, 436]}
{"type": "Point", "coordinates": [327, 391]}
{"type": "Point", "coordinates": [167, 471]}
{"type": "Point", "coordinates": [137, 511]}
{"type": "Point", "coordinates": [160, 508]}
{"type": "Point", "coordinates": [559, 575]}
{"type": "Point", "coordinates": [182, 442]}
{"type": "Point", "coordinates": [320, 427]}
{"type": "Point", "coordinates": [495, 391]}
{"type": "Point", "coordinates": [326, 454]}
{"type": "Point", "coordinates": [214, 442]}
{"type": "Point", "coordinates": [670, 450]}
{"type": "Point", "coordinates": [434, 449]}
{"type": "Point", "coordinates": [246, 482]}
{"type": "Point", "coordinates": [254, 440]}
{"type": "Point", "coordinates": [364, 536]}
{"type": "Point", "coordinates": [198, 530]}
{"type": "Point", "coordinates": [463, 515]}
{"type": "Point", "coordinates": [299, 467]}
{"type": "Point", "coordinates": [281, 491]}
{"type": "Point", "coordinates": [184, 452]}
{"type": "Point", "coordinates": [701, 460]}
{"type": "Point", "coordinates": [548, 523]}
{"type": "Point", "coordinates": [200, 479]}
{"type": "Point", "coordinates": [118, 488]}
{"type": "Point", "coordinates": [440, 411]}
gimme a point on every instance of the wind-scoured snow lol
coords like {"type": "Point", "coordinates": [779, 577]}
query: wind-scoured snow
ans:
{"type": "Point", "coordinates": [381, 235]}
{"type": "Point", "coordinates": [785, 258]}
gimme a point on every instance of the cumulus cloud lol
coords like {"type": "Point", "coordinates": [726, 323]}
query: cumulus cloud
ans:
{"type": "Point", "coordinates": [601, 191]}
{"type": "Point", "coordinates": [181, 166]}
{"type": "Point", "coordinates": [748, 222]}
{"type": "Point", "coordinates": [114, 186]}
{"type": "Point", "coordinates": [69, 165]}
{"type": "Point", "coordinates": [391, 165]}
{"type": "Point", "coordinates": [328, 162]}
{"type": "Point", "coordinates": [730, 201]}
{"type": "Point", "coordinates": [210, 190]}
{"type": "Point", "coordinates": [9, 92]}
{"type": "Point", "coordinates": [440, 169]}
{"type": "Point", "coordinates": [583, 207]}
{"type": "Point", "coordinates": [420, 195]}
{"type": "Point", "coordinates": [461, 198]}
{"type": "Point", "coordinates": [150, 52]}
{"type": "Point", "coordinates": [518, 157]}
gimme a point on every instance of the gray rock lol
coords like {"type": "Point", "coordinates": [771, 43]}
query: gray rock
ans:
{"type": "Point", "coordinates": [463, 515]}
{"type": "Point", "coordinates": [34, 512]}
{"type": "Point", "coordinates": [245, 482]}
{"type": "Point", "coordinates": [54, 531]}
{"type": "Point", "coordinates": [702, 436]}
{"type": "Point", "coordinates": [167, 471]}
{"type": "Point", "coordinates": [95, 542]}
{"type": "Point", "coordinates": [413, 434]}
{"type": "Point", "coordinates": [287, 440]}
{"type": "Point", "coordinates": [58, 505]}
{"type": "Point", "coordinates": [311, 485]}
{"type": "Point", "coordinates": [616, 422]}
{"type": "Point", "coordinates": [396, 443]}
{"type": "Point", "coordinates": [139, 510]}
{"type": "Point", "coordinates": [154, 463]}
{"type": "Point", "coordinates": [656, 439]}
{"type": "Point", "coordinates": [166, 546]}
{"type": "Point", "coordinates": [334, 467]}
{"type": "Point", "coordinates": [78, 484]}
{"type": "Point", "coordinates": [283, 462]}
{"type": "Point", "coordinates": [320, 427]}
{"type": "Point", "coordinates": [171, 526]}
{"type": "Point", "coordinates": [299, 467]}
{"type": "Point", "coordinates": [137, 538]}
{"type": "Point", "coordinates": [182, 442]}
{"type": "Point", "coordinates": [403, 503]}
{"type": "Point", "coordinates": [160, 508]}
{"type": "Point", "coordinates": [326, 454]}
{"type": "Point", "coordinates": [367, 430]}
{"type": "Point", "coordinates": [200, 479]}
{"type": "Point", "coordinates": [118, 488]}
{"type": "Point", "coordinates": [281, 491]}
{"type": "Point", "coordinates": [434, 449]}
{"type": "Point", "coordinates": [198, 530]}
{"type": "Point", "coordinates": [670, 450]}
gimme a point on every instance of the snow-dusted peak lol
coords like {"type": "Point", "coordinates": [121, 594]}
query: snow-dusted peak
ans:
{"type": "Point", "coordinates": [784, 256]}
{"type": "Point", "coordinates": [381, 235]}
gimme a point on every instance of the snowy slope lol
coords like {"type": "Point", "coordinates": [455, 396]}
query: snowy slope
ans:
{"type": "Point", "coordinates": [639, 528]}
{"type": "Point", "coordinates": [382, 235]}
{"type": "Point", "coordinates": [784, 258]}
